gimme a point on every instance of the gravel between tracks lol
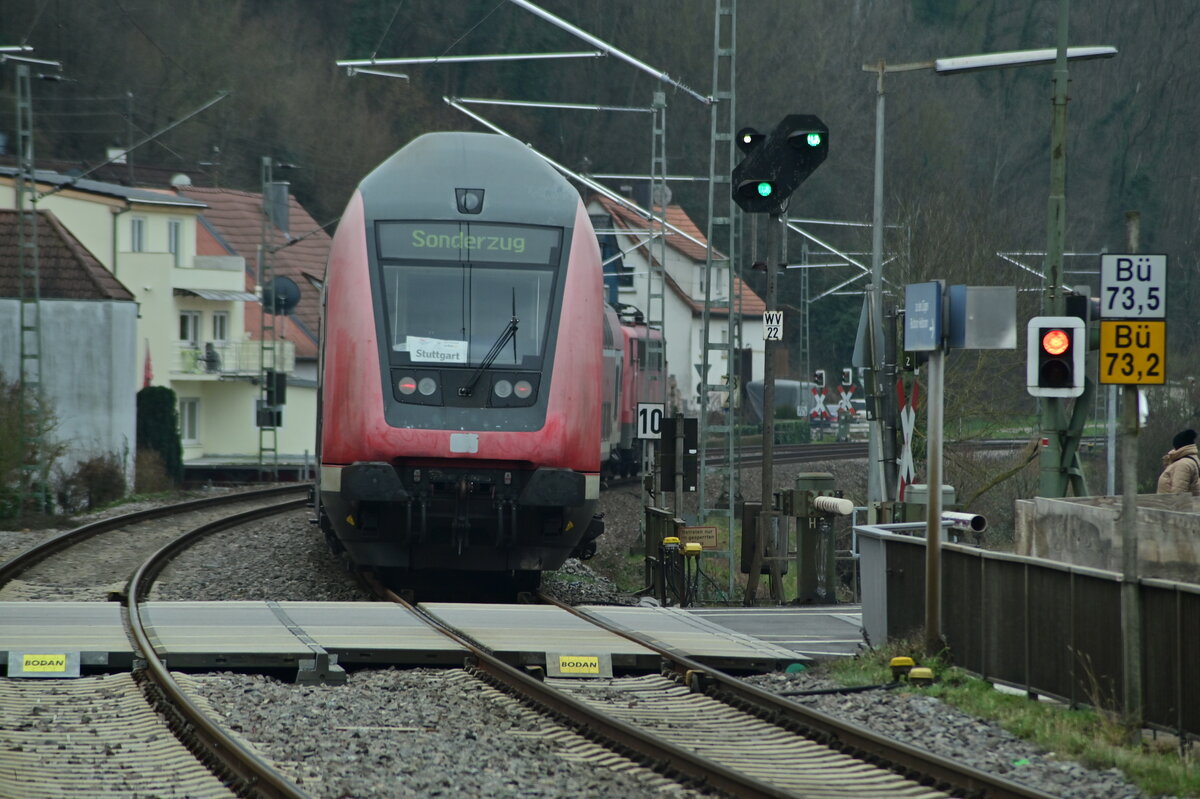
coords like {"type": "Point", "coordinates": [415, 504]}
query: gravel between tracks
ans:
{"type": "Point", "coordinates": [468, 743]}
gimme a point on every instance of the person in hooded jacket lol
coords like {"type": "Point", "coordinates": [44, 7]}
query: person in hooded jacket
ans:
{"type": "Point", "coordinates": [1181, 466]}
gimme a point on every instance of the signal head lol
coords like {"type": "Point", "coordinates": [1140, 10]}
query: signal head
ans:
{"type": "Point", "coordinates": [1055, 341]}
{"type": "Point", "coordinates": [1055, 356]}
{"type": "Point", "coordinates": [757, 195]}
{"type": "Point", "coordinates": [783, 159]}
{"type": "Point", "coordinates": [805, 139]}
{"type": "Point", "coordinates": [748, 139]}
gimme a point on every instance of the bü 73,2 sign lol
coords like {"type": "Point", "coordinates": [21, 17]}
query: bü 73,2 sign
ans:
{"type": "Point", "coordinates": [1133, 351]}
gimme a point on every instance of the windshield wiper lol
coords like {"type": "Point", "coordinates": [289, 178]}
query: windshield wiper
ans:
{"type": "Point", "coordinates": [510, 332]}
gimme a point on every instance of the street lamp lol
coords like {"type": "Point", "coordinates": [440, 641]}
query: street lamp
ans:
{"type": "Point", "coordinates": [881, 449]}
{"type": "Point", "coordinates": [1052, 301]}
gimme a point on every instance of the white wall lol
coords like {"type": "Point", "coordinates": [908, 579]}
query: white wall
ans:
{"type": "Point", "coordinates": [87, 360]}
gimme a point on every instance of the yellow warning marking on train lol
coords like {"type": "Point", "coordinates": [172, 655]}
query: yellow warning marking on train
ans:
{"type": "Point", "coordinates": [44, 663]}
{"type": "Point", "coordinates": [579, 664]}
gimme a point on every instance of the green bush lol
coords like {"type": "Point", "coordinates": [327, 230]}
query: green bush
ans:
{"type": "Point", "coordinates": [158, 429]}
{"type": "Point", "coordinates": [792, 431]}
{"type": "Point", "coordinates": [14, 456]}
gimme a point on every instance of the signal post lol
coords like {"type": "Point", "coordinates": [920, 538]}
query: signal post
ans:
{"type": "Point", "coordinates": [775, 165]}
{"type": "Point", "coordinates": [1133, 332]}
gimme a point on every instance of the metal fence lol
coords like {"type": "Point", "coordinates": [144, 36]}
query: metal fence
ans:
{"type": "Point", "coordinates": [230, 358]}
{"type": "Point", "coordinates": [1050, 628]}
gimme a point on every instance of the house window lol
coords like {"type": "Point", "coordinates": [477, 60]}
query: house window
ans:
{"type": "Point", "coordinates": [220, 326]}
{"type": "Point", "coordinates": [189, 328]}
{"type": "Point", "coordinates": [174, 232]}
{"type": "Point", "coordinates": [137, 234]}
{"type": "Point", "coordinates": [189, 420]}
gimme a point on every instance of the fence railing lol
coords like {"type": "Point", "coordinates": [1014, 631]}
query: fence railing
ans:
{"type": "Point", "coordinates": [1049, 628]}
{"type": "Point", "coordinates": [234, 358]}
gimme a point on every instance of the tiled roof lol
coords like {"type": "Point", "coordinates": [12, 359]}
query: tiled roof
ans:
{"type": "Point", "coordinates": [66, 269]}
{"type": "Point", "coordinates": [144, 175]}
{"type": "Point", "coordinates": [676, 216]}
{"type": "Point", "coordinates": [232, 225]}
{"type": "Point", "coordinates": [130, 194]}
{"type": "Point", "coordinates": [751, 303]}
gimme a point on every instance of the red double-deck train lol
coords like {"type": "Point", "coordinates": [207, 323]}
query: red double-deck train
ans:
{"type": "Point", "coordinates": [474, 385]}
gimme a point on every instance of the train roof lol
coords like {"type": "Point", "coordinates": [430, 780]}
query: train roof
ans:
{"type": "Point", "coordinates": [419, 181]}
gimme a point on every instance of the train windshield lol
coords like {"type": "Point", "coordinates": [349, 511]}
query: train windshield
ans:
{"type": "Point", "coordinates": [453, 288]}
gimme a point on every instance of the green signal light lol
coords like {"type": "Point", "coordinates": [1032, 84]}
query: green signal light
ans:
{"type": "Point", "coordinates": [814, 140]}
{"type": "Point", "coordinates": [764, 189]}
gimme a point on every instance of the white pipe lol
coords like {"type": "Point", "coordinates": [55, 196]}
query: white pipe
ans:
{"type": "Point", "coordinates": [965, 521]}
{"type": "Point", "coordinates": [833, 505]}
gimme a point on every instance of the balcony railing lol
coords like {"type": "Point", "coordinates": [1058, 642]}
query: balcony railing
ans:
{"type": "Point", "coordinates": [230, 358]}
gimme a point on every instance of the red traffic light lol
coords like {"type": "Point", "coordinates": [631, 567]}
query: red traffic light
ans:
{"type": "Point", "coordinates": [1055, 341]}
{"type": "Point", "coordinates": [1055, 363]}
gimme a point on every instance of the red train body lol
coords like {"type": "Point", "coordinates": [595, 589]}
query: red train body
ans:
{"type": "Point", "coordinates": [461, 357]}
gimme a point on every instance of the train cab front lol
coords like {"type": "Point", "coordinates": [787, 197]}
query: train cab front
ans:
{"type": "Point", "coordinates": [462, 358]}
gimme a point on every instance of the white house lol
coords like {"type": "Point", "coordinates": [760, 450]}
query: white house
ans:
{"type": "Point", "coordinates": [190, 308]}
{"type": "Point", "coordinates": [683, 296]}
{"type": "Point", "coordinates": [88, 340]}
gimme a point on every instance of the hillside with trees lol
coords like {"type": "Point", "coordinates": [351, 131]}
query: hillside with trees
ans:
{"type": "Point", "coordinates": [967, 156]}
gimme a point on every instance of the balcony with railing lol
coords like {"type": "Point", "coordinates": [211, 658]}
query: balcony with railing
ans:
{"type": "Point", "coordinates": [230, 358]}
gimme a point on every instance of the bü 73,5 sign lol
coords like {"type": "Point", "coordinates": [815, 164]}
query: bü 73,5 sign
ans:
{"type": "Point", "coordinates": [1133, 351]}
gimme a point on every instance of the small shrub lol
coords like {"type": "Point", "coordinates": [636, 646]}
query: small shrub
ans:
{"type": "Point", "coordinates": [792, 431]}
{"type": "Point", "coordinates": [150, 476]}
{"type": "Point", "coordinates": [94, 483]}
{"type": "Point", "coordinates": [25, 469]}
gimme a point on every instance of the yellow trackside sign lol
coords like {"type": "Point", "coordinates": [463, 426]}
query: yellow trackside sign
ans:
{"type": "Point", "coordinates": [1133, 351]}
{"type": "Point", "coordinates": [56, 663]}
{"type": "Point", "coordinates": [578, 666]}
{"type": "Point", "coordinates": [53, 665]}
{"type": "Point", "coordinates": [45, 662]}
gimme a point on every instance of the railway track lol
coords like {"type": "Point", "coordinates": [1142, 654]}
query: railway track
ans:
{"type": "Point", "coordinates": [104, 736]}
{"type": "Point", "coordinates": [692, 723]}
{"type": "Point", "coordinates": [709, 730]}
{"type": "Point", "coordinates": [93, 562]}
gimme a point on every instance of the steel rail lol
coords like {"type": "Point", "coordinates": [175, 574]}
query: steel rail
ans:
{"type": "Point", "coordinates": [851, 739]}
{"type": "Point", "coordinates": [35, 554]}
{"type": "Point", "coordinates": [617, 735]}
{"type": "Point", "coordinates": [247, 773]}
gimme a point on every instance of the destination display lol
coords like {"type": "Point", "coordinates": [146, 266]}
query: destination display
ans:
{"type": "Point", "coordinates": [469, 242]}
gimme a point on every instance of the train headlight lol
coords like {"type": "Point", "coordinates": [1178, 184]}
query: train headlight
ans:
{"type": "Point", "coordinates": [427, 386]}
{"type": "Point", "coordinates": [503, 389]}
{"type": "Point", "coordinates": [523, 389]}
{"type": "Point", "coordinates": [407, 385]}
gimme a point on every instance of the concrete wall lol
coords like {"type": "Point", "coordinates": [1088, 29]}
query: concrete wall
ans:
{"type": "Point", "coordinates": [1086, 531]}
{"type": "Point", "coordinates": [88, 373]}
